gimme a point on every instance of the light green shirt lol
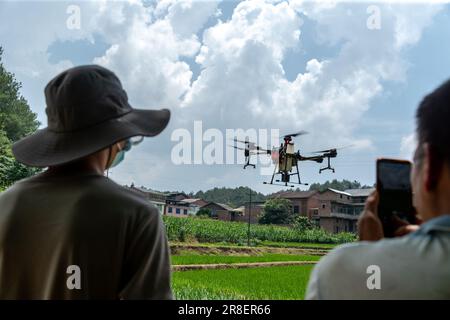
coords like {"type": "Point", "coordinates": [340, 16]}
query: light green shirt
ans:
{"type": "Point", "coordinates": [416, 266]}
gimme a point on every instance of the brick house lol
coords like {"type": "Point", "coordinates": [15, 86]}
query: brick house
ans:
{"type": "Point", "coordinates": [194, 204]}
{"type": "Point", "coordinates": [333, 210]}
{"type": "Point", "coordinates": [304, 203]}
{"type": "Point", "coordinates": [222, 211]}
{"type": "Point", "coordinates": [255, 212]}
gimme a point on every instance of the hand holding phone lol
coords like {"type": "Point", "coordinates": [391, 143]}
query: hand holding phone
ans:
{"type": "Point", "coordinates": [395, 207]}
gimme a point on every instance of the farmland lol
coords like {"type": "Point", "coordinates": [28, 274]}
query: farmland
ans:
{"type": "Point", "coordinates": [286, 283]}
{"type": "Point", "coordinates": [211, 259]}
{"type": "Point", "coordinates": [228, 272]}
{"type": "Point", "coordinates": [208, 230]}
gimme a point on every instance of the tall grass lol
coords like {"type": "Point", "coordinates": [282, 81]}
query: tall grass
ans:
{"type": "Point", "coordinates": [209, 230]}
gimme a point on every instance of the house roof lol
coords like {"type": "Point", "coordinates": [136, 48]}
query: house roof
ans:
{"type": "Point", "coordinates": [226, 207]}
{"type": "Point", "coordinates": [254, 203]}
{"type": "Point", "coordinates": [338, 191]}
{"type": "Point", "coordinates": [222, 205]}
{"type": "Point", "coordinates": [145, 190]}
{"type": "Point", "coordinates": [294, 194]}
{"type": "Point", "coordinates": [361, 192]}
{"type": "Point", "coordinates": [191, 200]}
{"type": "Point", "coordinates": [195, 201]}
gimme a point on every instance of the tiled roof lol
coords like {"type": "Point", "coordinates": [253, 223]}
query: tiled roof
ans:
{"type": "Point", "coordinates": [362, 192]}
{"type": "Point", "coordinates": [339, 191]}
{"type": "Point", "coordinates": [294, 194]}
{"type": "Point", "coordinates": [191, 200]}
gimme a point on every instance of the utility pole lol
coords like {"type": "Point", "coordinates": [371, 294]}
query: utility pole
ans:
{"type": "Point", "coordinates": [249, 216]}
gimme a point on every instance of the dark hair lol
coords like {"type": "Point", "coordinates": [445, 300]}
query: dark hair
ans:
{"type": "Point", "coordinates": [433, 121]}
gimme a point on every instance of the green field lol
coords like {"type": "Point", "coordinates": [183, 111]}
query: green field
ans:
{"type": "Point", "coordinates": [194, 229]}
{"type": "Point", "coordinates": [185, 259]}
{"type": "Point", "coordinates": [280, 283]}
{"type": "Point", "coordinates": [207, 241]}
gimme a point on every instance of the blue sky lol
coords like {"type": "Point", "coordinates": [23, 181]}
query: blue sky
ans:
{"type": "Point", "coordinates": [275, 65]}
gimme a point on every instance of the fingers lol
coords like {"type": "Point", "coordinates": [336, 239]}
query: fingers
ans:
{"type": "Point", "coordinates": [369, 224]}
{"type": "Point", "coordinates": [372, 202]}
{"type": "Point", "coordinates": [396, 221]}
{"type": "Point", "coordinates": [370, 228]}
{"type": "Point", "coordinates": [406, 229]}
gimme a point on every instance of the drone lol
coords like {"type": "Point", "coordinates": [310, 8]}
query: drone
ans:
{"type": "Point", "coordinates": [250, 149]}
{"type": "Point", "coordinates": [285, 158]}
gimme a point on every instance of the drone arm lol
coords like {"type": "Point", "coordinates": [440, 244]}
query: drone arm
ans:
{"type": "Point", "coordinates": [318, 159]}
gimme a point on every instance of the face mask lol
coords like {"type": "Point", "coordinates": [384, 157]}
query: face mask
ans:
{"type": "Point", "coordinates": [121, 154]}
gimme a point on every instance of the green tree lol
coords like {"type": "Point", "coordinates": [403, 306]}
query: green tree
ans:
{"type": "Point", "coordinates": [16, 121]}
{"type": "Point", "coordinates": [338, 185]}
{"type": "Point", "coordinates": [303, 223]}
{"type": "Point", "coordinates": [204, 212]}
{"type": "Point", "coordinates": [6, 160]}
{"type": "Point", "coordinates": [277, 211]}
{"type": "Point", "coordinates": [16, 118]}
{"type": "Point", "coordinates": [233, 197]}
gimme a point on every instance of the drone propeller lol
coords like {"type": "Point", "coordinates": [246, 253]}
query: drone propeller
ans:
{"type": "Point", "coordinates": [243, 141]}
{"type": "Point", "coordinates": [236, 147]}
{"type": "Point", "coordinates": [250, 146]}
{"type": "Point", "coordinates": [323, 151]}
{"type": "Point", "coordinates": [262, 151]}
{"type": "Point", "coordinates": [256, 150]}
{"type": "Point", "coordinates": [300, 133]}
{"type": "Point", "coordinates": [332, 149]}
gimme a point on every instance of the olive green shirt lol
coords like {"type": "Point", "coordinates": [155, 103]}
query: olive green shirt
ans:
{"type": "Point", "coordinates": [81, 237]}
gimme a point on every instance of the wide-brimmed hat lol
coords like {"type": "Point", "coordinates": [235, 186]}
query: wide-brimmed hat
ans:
{"type": "Point", "coordinates": [87, 111]}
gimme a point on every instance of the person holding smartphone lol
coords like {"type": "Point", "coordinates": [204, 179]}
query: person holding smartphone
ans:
{"type": "Point", "coordinates": [404, 251]}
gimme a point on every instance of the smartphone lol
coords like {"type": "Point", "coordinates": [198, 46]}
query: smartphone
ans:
{"type": "Point", "coordinates": [395, 194]}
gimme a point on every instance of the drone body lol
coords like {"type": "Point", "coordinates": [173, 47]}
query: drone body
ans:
{"type": "Point", "coordinates": [285, 158]}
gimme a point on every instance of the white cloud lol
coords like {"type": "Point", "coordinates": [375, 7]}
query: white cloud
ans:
{"type": "Point", "coordinates": [241, 61]}
{"type": "Point", "coordinates": [242, 82]}
{"type": "Point", "coordinates": [243, 76]}
{"type": "Point", "coordinates": [408, 146]}
{"type": "Point", "coordinates": [146, 54]}
{"type": "Point", "coordinates": [188, 17]}
{"type": "Point", "coordinates": [411, 20]}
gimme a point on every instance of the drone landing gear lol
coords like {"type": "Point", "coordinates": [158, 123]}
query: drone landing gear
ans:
{"type": "Point", "coordinates": [328, 167]}
{"type": "Point", "coordinates": [248, 164]}
{"type": "Point", "coordinates": [285, 178]}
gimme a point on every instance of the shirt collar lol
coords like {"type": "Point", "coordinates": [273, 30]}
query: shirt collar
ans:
{"type": "Point", "coordinates": [441, 223]}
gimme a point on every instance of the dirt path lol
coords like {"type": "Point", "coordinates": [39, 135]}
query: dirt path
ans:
{"type": "Point", "coordinates": [239, 265]}
{"type": "Point", "coordinates": [228, 250]}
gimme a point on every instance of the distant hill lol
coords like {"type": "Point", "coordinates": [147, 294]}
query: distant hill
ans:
{"type": "Point", "coordinates": [233, 197]}
{"type": "Point", "coordinates": [236, 197]}
{"type": "Point", "coordinates": [338, 185]}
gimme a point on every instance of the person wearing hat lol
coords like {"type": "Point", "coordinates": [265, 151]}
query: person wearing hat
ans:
{"type": "Point", "coordinates": [70, 232]}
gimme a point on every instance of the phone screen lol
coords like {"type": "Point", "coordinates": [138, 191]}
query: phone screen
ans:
{"type": "Point", "coordinates": [395, 195]}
